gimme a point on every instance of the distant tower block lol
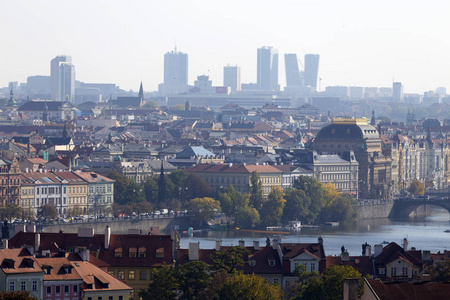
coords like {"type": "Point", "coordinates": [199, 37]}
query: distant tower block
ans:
{"type": "Point", "coordinates": [187, 106]}
{"type": "Point", "coordinates": [311, 70]}
{"type": "Point", "coordinates": [232, 77]}
{"type": "Point", "coordinates": [267, 69]}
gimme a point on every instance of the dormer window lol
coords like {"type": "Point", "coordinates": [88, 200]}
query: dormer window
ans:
{"type": "Point", "coordinates": [142, 252]}
{"type": "Point", "coordinates": [160, 253]}
{"type": "Point", "coordinates": [252, 263]}
{"type": "Point", "coordinates": [271, 262]}
{"type": "Point", "coordinates": [8, 263]}
{"type": "Point", "coordinates": [118, 253]}
{"type": "Point", "coordinates": [132, 252]}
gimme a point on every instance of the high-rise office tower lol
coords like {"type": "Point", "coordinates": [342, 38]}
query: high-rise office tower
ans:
{"type": "Point", "coordinates": [294, 77]}
{"type": "Point", "coordinates": [232, 77]}
{"type": "Point", "coordinates": [311, 70]}
{"type": "Point", "coordinates": [62, 74]}
{"type": "Point", "coordinates": [397, 92]}
{"type": "Point", "coordinates": [267, 69]}
{"type": "Point", "coordinates": [175, 68]}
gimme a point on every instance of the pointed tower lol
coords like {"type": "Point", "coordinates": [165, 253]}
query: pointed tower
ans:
{"type": "Point", "coordinates": [373, 121]}
{"type": "Point", "coordinates": [141, 95]}
{"type": "Point", "coordinates": [429, 140]}
{"type": "Point", "coordinates": [65, 133]}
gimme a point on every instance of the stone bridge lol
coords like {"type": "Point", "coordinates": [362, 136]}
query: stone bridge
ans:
{"type": "Point", "coordinates": [403, 207]}
{"type": "Point", "coordinates": [120, 225]}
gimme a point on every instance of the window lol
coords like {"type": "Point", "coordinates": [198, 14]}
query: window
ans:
{"type": "Point", "coordinates": [34, 286]}
{"type": "Point", "coordinates": [12, 286]}
{"type": "Point", "coordinates": [271, 263]}
{"type": "Point", "coordinates": [49, 290]}
{"type": "Point", "coordinates": [110, 298]}
{"type": "Point", "coordinates": [66, 289]}
{"type": "Point", "coordinates": [89, 298]}
{"type": "Point", "coordinates": [393, 271]}
{"type": "Point", "coordinates": [121, 275]}
{"type": "Point", "coordinates": [118, 253]}
{"type": "Point", "coordinates": [405, 271]}
{"type": "Point", "coordinates": [99, 298]}
{"type": "Point", "coordinates": [120, 297]}
{"type": "Point", "coordinates": [131, 275]}
{"type": "Point", "coordinates": [142, 252]}
{"type": "Point", "coordinates": [143, 275]}
{"type": "Point", "coordinates": [23, 286]}
{"type": "Point", "coordinates": [313, 267]}
{"type": "Point", "coordinates": [75, 288]}
{"type": "Point", "coordinates": [132, 252]}
{"type": "Point", "coordinates": [58, 289]}
{"type": "Point", "coordinates": [275, 281]}
{"type": "Point", "coordinates": [111, 273]}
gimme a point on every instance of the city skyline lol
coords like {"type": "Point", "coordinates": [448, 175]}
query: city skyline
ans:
{"type": "Point", "coordinates": [359, 44]}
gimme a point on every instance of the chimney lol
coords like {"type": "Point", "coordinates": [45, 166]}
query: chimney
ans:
{"type": "Point", "coordinates": [5, 244]}
{"type": "Point", "coordinates": [378, 250]}
{"type": "Point", "coordinates": [84, 253]}
{"type": "Point", "coordinates": [241, 243]}
{"type": "Point", "coordinates": [320, 240]}
{"type": "Point", "coordinates": [275, 244]}
{"type": "Point", "coordinates": [37, 241]}
{"type": "Point", "coordinates": [31, 228]}
{"type": "Point", "coordinates": [86, 232]}
{"type": "Point", "coordinates": [218, 245]}
{"type": "Point", "coordinates": [256, 245]}
{"type": "Point", "coordinates": [107, 237]}
{"type": "Point", "coordinates": [18, 228]}
{"type": "Point", "coordinates": [426, 256]}
{"type": "Point", "coordinates": [405, 244]}
{"type": "Point", "coordinates": [345, 256]}
{"type": "Point", "coordinates": [368, 250]}
{"type": "Point", "coordinates": [193, 250]}
{"type": "Point", "coordinates": [351, 289]}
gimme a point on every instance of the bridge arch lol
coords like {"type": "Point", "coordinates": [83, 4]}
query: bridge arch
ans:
{"type": "Point", "coordinates": [404, 207]}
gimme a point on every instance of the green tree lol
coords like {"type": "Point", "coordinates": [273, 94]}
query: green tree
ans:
{"type": "Point", "coordinates": [236, 205]}
{"type": "Point", "coordinates": [256, 191]}
{"type": "Point", "coordinates": [272, 209]}
{"type": "Point", "coordinates": [178, 107]}
{"type": "Point", "coordinates": [341, 210]}
{"type": "Point", "coordinates": [229, 259]}
{"type": "Point", "coordinates": [164, 285]}
{"type": "Point", "coordinates": [193, 279]}
{"type": "Point", "coordinates": [120, 186]}
{"type": "Point", "coordinates": [330, 286]}
{"type": "Point", "coordinates": [247, 217]}
{"type": "Point", "coordinates": [151, 104]}
{"type": "Point", "coordinates": [196, 187]}
{"type": "Point", "coordinates": [10, 211]}
{"type": "Point", "coordinates": [47, 211]}
{"type": "Point", "coordinates": [315, 191]}
{"type": "Point", "coordinates": [151, 190]}
{"type": "Point", "coordinates": [440, 271]}
{"type": "Point", "coordinates": [250, 287]}
{"type": "Point", "coordinates": [297, 207]}
{"type": "Point", "coordinates": [416, 188]}
{"type": "Point", "coordinates": [304, 278]}
{"type": "Point", "coordinates": [134, 192]}
{"type": "Point", "coordinates": [203, 209]}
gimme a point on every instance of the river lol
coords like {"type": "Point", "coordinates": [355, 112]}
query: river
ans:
{"type": "Point", "coordinates": [425, 233]}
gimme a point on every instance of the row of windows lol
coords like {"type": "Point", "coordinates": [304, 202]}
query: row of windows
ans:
{"type": "Point", "coordinates": [77, 189]}
{"type": "Point", "coordinates": [23, 286]}
{"type": "Point", "coordinates": [101, 189]}
{"type": "Point", "coordinates": [341, 176]}
{"type": "Point", "coordinates": [77, 200]}
{"type": "Point", "coordinates": [131, 275]}
{"type": "Point", "coordinates": [109, 298]}
{"type": "Point", "coordinates": [51, 190]}
{"type": "Point", "coordinates": [11, 181]}
{"type": "Point", "coordinates": [66, 289]}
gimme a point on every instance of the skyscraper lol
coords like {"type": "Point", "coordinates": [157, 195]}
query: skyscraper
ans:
{"type": "Point", "coordinates": [175, 68]}
{"type": "Point", "coordinates": [62, 74]}
{"type": "Point", "coordinates": [311, 70]}
{"type": "Point", "coordinates": [232, 77]}
{"type": "Point", "coordinates": [267, 69]}
{"type": "Point", "coordinates": [397, 92]}
{"type": "Point", "coordinates": [293, 75]}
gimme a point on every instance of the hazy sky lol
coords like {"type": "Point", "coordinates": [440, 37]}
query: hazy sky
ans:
{"type": "Point", "coordinates": [361, 43]}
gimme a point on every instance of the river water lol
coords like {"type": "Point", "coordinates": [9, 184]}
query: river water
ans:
{"type": "Point", "coordinates": [426, 233]}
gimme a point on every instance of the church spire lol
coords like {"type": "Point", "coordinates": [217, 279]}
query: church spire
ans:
{"type": "Point", "coordinates": [373, 122]}
{"type": "Point", "coordinates": [141, 91]}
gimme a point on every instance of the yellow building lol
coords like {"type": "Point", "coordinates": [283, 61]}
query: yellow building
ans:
{"type": "Point", "coordinates": [27, 198]}
{"type": "Point", "coordinates": [76, 193]}
{"type": "Point", "coordinates": [223, 175]}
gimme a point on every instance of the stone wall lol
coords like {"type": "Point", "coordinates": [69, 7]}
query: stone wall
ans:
{"type": "Point", "coordinates": [374, 208]}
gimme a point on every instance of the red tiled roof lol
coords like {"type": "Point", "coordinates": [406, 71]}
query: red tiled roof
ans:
{"type": "Point", "coordinates": [407, 290]}
{"type": "Point", "coordinates": [363, 264]}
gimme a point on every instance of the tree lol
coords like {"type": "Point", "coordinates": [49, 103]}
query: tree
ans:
{"type": "Point", "coordinates": [10, 211]}
{"type": "Point", "coordinates": [196, 187]}
{"type": "Point", "coordinates": [120, 186]}
{"type": "Point", "coordinates": [330, 193]}
{"type": "Point", "coordinates": [315, 191]}
{"type": "Point", "coordinates": [330, 286]}
{"type": "Point", "coordinates": [256, 191]}
{"type": "Point", "coordinates": [236, 205]}
{"type": "Point", "coordinates": [247, 217]}
{"type": "Point", "coordinates": [229, 259]}
{"type": "Point", "coordinates": [440, 271]}
{"type": "Point", "coordinates": [47, 211]}
{"type": "Point", "coordinates": [304, 278]}
{"type": "Point", "coordinates": [252, 287]}
{"type": "Point", "coordinates": [416, 188]}
{"type": "Point", "coordinates": [151, 104]}
{"type": "Point", "coordinates": [151, 190]}
{"type": "Point", "coordinates": [164, 285]}
{"type": "Point", "coordinates": [204, 209]}
{"type": "Point", "coordinates": [193, 280]}
{"type": "Point", "coordinates": [75, 211]}
{"type": "Point", "coordinates": [340, 210]}
{"type": "Point", "coordinates": [17, 295]}
{"type": "Point", "coordinates": [272, 209]}
{"type": "Point", "coordinates": [297, 207]}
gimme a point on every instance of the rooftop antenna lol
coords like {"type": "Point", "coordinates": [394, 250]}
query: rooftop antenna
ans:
{"type": "Point", "coordinates": [175, 46]}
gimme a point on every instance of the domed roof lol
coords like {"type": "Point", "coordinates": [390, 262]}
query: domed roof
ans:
{"type": "Point", "coordinates": [357, 129]}
{"type": "Point", "coordinates": [117, 158]}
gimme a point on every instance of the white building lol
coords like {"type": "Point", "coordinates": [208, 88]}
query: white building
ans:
{"type": "Point", "coordinates": [62, 74]}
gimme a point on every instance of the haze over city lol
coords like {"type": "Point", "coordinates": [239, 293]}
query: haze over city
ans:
{"type": "Point", "coordinates": [360, 44]}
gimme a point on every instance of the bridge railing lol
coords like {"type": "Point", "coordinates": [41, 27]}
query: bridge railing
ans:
{"type": "Point", "coordinates": [368, 202]}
